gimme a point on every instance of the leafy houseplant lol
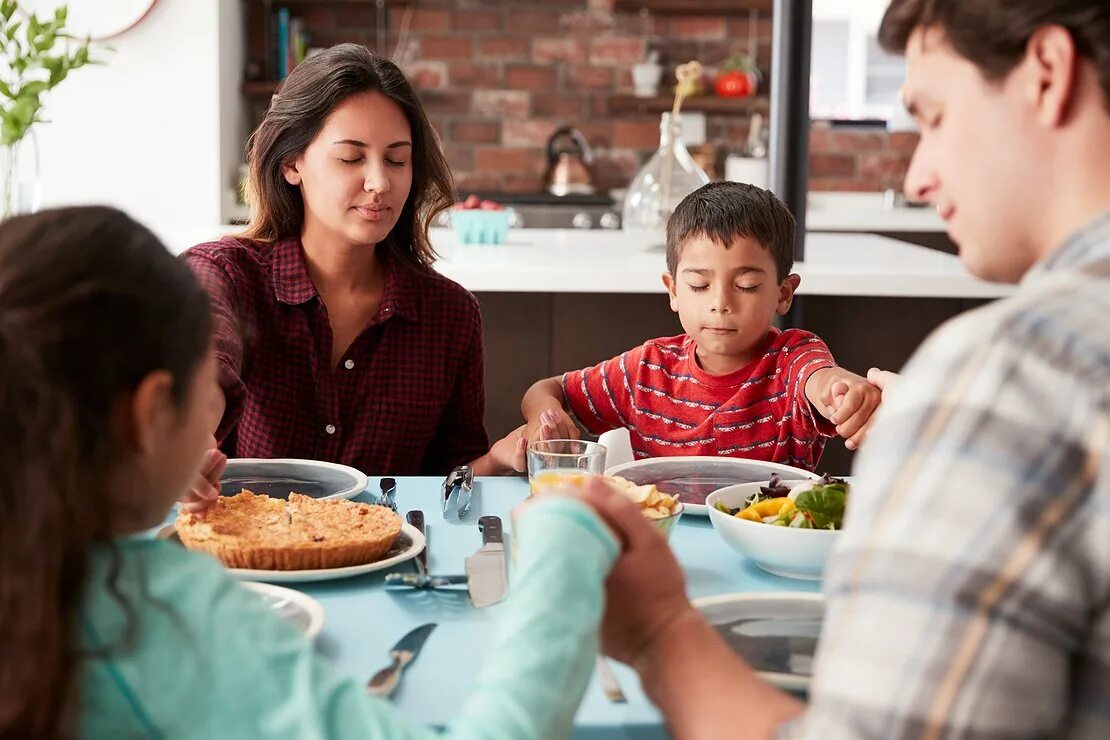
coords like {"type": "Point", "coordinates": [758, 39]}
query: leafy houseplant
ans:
{"type": "Point", "coordinates": [35, 56]}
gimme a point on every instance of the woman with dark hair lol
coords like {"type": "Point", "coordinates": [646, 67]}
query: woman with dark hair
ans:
{"type": "Point", "coordinates": [336, 340]}
{"type": "Point", "coordinates": [108, 396]}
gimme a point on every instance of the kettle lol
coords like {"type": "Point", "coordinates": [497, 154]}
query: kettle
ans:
{"type": "Point", "coordinates": [568, 163]}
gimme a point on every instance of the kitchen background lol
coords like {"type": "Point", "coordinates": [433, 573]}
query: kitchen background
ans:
{"type": "Point", "coordinates": [499, 78]}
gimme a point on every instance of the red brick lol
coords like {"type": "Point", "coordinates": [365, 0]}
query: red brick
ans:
{"type": "Point", "coordinates": [739, 28]}
{"type": "Point", "coordinates": [846, 141]}
{"type": "Point", "coordinates": [558, 106]}
{"type": "Point", "coordinates": [641, 24]}
{"type": "Point", "coordinates": [528, 133]}
{"type": "Point", "coordinates": [427, 75]}
{"type": "Point", "coordinates": [598, 133]}
{"type": "Point", "coordinates": [590, 78]}
{"type": "Point", "coordinates": [545, 51]}
{"type": "Point", "coordinates": [636, 134]}
{"type": "Point", "coordinates": [509, 103]}
{"type": "Point", "coordinates": [847, 185]}
{"type": "Point", "coordinates": [903, 141]}
{"type": "Point", "coordinates": [476, 132]}
{"type": "Point", "coordinates": [445, 47]}
{"type": "Point", "coordinates": [526, 77]}
{"type": "Point", "coordinates": [616, 50]}
{"type": "Point", "coordinates": [615, 168]}
{"type": "Point", "coordinates": [883, 166]}
{"type": "Point", "coordinates": [831, 165]}
{"type": "Point", "coordinates": [509, 161]}
{"type": "Point", "coordinates": [473, 19]}
{"type": "Point", "coordinates": [349, 18]}
{"type": "Point", "coordinates": [504, 47]}
{"type": "Point", "coordinates": [534, 21]}
{"type": "Point", "coordinates": [466, 182]}
{"type": "Point", "coordinates": [424, 19]}
{"type": "Point", "coordinates": [445, 101]}
{"type": "Point", "coordinates": [459, 156]}
{"type": "Point", "coordinates": [532, 183]}
{"type": "Point", "coordinates": [697, 27]}
{"type": "Point", "coordinates": [475, 74]}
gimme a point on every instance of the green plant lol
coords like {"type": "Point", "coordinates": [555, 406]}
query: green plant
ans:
{"type": "Point", "coordinates": [34, 66]}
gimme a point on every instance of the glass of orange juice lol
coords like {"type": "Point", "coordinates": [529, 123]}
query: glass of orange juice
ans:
{"type": "Point", "coordinates": [555, 462]}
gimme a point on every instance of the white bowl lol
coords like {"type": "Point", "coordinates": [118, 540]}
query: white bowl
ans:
{"type": "Point", "coordinates": [783, 551]}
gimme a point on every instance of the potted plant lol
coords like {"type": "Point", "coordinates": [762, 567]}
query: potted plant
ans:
{"type": "Point", "coordinates": [737, 77]}
{"type": "Point", "coordinates": [35, 56]}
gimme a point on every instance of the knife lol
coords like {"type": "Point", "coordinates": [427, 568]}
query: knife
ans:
{"type": "Point", "coordinates": [485, 569]}
{"type": "Point", "coordinates": [385, 681]}
{"type": "Point", "coordinates": [423, 580]}
{"type": "Point", "coordinates": [416, 519]}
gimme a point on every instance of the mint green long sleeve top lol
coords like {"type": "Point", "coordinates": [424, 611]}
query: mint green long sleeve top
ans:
{"type": "Point", "coordinates": [208, 659]}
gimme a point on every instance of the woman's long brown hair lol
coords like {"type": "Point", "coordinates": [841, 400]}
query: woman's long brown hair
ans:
{"type": "Point", "coordinates": [90, 303]}
{"type": "Point", "coordinates": [296, 116]}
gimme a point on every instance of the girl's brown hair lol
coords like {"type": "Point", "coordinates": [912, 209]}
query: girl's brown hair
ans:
{"type": "Point", "coordinates": [297, 115]}
{"type": "Point", "coordinates": [90, 303]}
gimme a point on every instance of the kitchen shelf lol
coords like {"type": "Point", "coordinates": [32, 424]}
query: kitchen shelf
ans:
{"type": "Point", "coordinates": [632, 105]}
{"type": "Point", "coordinates": [693, 7]}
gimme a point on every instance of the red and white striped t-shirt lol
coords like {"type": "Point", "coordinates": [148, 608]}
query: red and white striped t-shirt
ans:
{"type": "Point", "coordinates": [672, 407]}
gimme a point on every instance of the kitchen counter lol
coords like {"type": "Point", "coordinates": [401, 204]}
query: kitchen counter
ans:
{"type": "Point", "coordinates": [604, 261]}
{"type": "Point", "coordinates": [568, 261]}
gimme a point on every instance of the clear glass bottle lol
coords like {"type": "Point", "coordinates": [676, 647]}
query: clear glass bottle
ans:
{"type": "Point", "coordinates": [669, 176]}
{"type": "Point", "coordinates": [20, 189]}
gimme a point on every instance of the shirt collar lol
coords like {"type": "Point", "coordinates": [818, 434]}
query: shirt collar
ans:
{"type": "Point", "coordinates": [1089, 244]}
{"type": "Point", "coordinates": [294, 286]}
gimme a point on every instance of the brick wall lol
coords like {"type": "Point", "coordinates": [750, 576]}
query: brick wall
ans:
{"type": "Point", "coordinates": [498, 77]}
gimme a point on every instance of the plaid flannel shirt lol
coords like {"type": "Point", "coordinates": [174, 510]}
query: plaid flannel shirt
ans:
{"type": "Point", "coordinates": [969, 595]}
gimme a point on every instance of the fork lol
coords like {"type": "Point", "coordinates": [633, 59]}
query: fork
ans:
{"type": "Point", "coordinates": [389, 493]}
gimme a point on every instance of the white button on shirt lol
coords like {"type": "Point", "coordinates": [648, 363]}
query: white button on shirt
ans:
{"type": "Point", "coordinates": [330, 429]}
{"type": "Point", "coordinates": [349, 364]}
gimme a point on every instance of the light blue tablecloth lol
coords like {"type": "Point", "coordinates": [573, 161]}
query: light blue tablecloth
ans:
{"type": "Point", "coordinates": [364, 619]}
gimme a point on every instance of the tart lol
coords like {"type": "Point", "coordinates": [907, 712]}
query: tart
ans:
{"type": "Point", "coordinates": [258, 532]}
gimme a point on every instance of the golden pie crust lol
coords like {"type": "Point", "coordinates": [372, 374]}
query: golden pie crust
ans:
{"type": "Point", "coordinates": [258, 532]}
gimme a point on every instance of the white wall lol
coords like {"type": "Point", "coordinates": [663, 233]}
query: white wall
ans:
{"type": "Point", "coordinates": [143, 132]}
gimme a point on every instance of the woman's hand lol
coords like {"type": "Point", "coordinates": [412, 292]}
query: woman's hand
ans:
{"type": "Point", "coordinates": [206, 487]}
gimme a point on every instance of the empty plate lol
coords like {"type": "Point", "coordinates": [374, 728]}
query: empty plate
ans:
{"type": "Point", "coordinates": [776, 634]}
{"type": "Point", "coordinates": [300, 610]}
{"type": "Point", "coordinates": [695, 477]}
{"type": "Point", "coordinates": [277, 478]}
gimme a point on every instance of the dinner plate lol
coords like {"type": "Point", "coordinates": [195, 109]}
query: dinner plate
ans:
{"type": "Point", "coordinates": [695, 477]}
{"type": "Point", "coordinates": [409, 544]}
{"type": "Point", "coordinates": [300, 610]}
{"type": "Point", "coordinates": [278, 478]}
{"type": "Point", "coordinates": [775, 633]}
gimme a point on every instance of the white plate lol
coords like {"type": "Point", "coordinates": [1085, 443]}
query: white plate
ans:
{"type": "Point", "coordinates": [279, 477]}
{"type": "Point", "coordinates": [409, 544]}
{"type": "Point", "coordinates": [775, 633]}
{"type": "Point", "coordinates": [300, 610]}
{"type": "Point", "coordinates": [694, 477]}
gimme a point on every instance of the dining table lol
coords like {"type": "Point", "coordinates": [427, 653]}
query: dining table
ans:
{"type": "Point", "coordinates": [364, 618]}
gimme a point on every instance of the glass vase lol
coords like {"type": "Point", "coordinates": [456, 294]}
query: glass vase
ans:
{"type": "Point", "coordinates": [20, 188]}
{"type": "Point", "coordinates": [669, 176]}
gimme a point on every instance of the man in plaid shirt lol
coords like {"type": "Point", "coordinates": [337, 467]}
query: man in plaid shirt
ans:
{"type": "Point", "coordinates": [969, 595]}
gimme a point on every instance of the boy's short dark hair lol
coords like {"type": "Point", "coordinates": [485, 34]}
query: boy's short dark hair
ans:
{"type": "Point", "coordinates": [993, 34]}
{"type": "Point", "coordinates": [725, 211]}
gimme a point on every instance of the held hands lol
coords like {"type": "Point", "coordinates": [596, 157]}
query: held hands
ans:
{"type": "Point", "coordinates": [510, 452]}
{"type": "Point", "coordinates": [849, 403]}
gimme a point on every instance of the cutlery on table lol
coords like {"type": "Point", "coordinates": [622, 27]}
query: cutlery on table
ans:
{"type": "Point", "coordinates": [384, 682]}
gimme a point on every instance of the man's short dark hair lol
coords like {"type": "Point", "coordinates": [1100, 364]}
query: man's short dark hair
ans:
{"type": "Point", "coordinates": [993, 34]}
{"type": "Point", "coordinates": [725, 211]}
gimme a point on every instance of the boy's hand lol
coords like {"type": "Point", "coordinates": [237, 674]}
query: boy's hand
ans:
{"type": "Point", "coordinates": [854, 401]}
{"type": "Point", "coordinates": [554, 423]}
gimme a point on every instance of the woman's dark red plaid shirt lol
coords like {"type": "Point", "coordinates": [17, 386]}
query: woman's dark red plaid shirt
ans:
{"type": "Point", "coordinates": [407, 397]}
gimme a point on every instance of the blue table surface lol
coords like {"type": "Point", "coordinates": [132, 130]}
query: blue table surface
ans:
{"type": "Point", "coordinates": [364, 619]}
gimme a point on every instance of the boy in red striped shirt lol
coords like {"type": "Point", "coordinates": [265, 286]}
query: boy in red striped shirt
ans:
{"type": "Point", "coordinates": [733, 384]}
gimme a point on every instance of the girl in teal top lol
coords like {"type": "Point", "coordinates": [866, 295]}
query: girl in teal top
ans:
{"type": "Point", "coordinates": [108, 395]}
